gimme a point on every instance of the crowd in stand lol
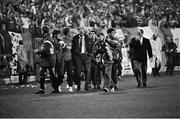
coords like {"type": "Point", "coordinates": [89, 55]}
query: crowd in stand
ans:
{"type": "Point", "coordinates": [25, 14]}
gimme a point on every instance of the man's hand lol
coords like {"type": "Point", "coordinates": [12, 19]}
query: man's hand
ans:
{"type": "Point", "coordinates": [36, 50]}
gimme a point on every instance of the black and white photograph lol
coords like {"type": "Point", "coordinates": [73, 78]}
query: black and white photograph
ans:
{"type": "Point", "coordinates": [89, 58]}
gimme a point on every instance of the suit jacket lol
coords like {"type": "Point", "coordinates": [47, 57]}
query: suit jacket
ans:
{"type": "Point", "coordinates": [140, 50]}
{"type": "Point", "coordinates": [76, 48]}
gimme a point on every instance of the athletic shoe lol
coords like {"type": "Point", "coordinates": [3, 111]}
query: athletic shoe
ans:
{"type": "Point", "coordinates": [67, 86]}
{"type": "Point", "coordinates": [75, 86]}
{"type": "Point", "coordinates": [112, 89]}
{"type": "Point", "coordinates": [40, 92]}
{"type": "Point", "coordinates": [106, 90]}
{"type": "Point", "coordinates": [70, 89]}
{"type": "Point", "coordinates": [59, 88]}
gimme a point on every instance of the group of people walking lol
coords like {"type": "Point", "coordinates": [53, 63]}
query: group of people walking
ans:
{"type": "Point", "coordinates": [92, 53]}
{"type": "Point", "coordinates": [96, 55]}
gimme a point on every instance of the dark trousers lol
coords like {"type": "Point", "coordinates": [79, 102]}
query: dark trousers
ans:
{"type": "Point", "coordinates": [23, 78]}
{"type": "Point", "coordinates": [119, 69]}
{"type": "Point", "coordinates": [68, 68]}
{"type": "Point", "coordinates": [114, 73]}
{"type": "Point", "coordinates": [140, 70]}
{"type": "Point", "coordinates": [80, 61]}
{"type": "Point", "coordinates": [107, 74]}
{"type": "Point", "coordinates": [170, 65]}
{"type": "Point", "coordinates": [53, 78]}
{"type": "Point", "coordinates": [59, 70]}
{"type": "Point", "coordinates": [96, 74]}
{"type": "Point", "coordinates": [155, 70]}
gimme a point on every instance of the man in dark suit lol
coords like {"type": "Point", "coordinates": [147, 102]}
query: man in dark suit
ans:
{"type": "Point", "coordinates": [81, 57]}
{"type": "Point", "coordinates": [140, 46]}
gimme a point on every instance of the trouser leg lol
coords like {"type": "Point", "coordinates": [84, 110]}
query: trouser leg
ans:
{"type": "Point", "coordinates": [114, 72]}
{"type": "Point", "coordinates": [144, 72]}
{"type": "Point", "coordinates": [137, 71]}
{"type": "Point", "coordinates": [53, 78]}
{"type": "Point", "coordinates": [60, 71]}
{"type": "Point", "coordinates": [168, 65]}
{"type": "Point", "coordinates": [108, 82]}
{"type": "Point", "coordinates": [68, 65]}
{"type": "Point", "coordinates": [77, 69]}
{"type": "Point", "coordinates": [154, 71]}
{"type": "Point", "coordinates": [119, 69]}
{"type": "Point", "coordinates": [93, 74]}
{"type": "Point", "coordinates": [87, 63]}
{"type": "Point", "coordinates": [20, 78]}
{"type": "Point", "coordinates": [25, 77]}
{"type": "Point", "coordinates": [42, 78]}
{"type": "Point", "coordinates": [97, 75]}
{"type": "Point", "coordinates": [172, 65]}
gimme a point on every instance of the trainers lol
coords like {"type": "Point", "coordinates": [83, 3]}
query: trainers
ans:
{"type": "Point", "coordinates": [75, 86]}
{"type": "Point", "coordinates": [70, 89]}
{"type": "Point", "coordinates": [40, 92]}
{"type": "Point", "coordinates": [67, 86]}
{"type": "Point", "coordinates": [59, 88]}
{"type": "Point", "coordinates": [106, 90]}
{"type": "Point", "coordinates": [112, 89]}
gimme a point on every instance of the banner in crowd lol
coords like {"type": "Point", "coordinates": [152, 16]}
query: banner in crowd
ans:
{"type": "Point", "coordinates": [16, 37]}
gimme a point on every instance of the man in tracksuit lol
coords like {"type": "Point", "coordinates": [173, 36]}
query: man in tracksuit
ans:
{"type": "Point", "coordinates": [47, 61]}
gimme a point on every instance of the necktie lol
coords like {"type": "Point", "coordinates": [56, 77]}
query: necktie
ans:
{"type": "Point", "coordinates": [80, 43]}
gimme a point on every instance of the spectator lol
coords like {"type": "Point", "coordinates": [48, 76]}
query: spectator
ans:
{"type": "Point", "coordinates": [22, 66]}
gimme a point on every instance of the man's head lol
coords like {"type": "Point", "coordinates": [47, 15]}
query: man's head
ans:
{"type": "Point", "coordinates": [140, 33]}
{"type": "Point", "coordinates": [56, 33]}
{"type": "Point", "coordinates": [45, 29]}
{"type": "Point", "coordinates": [111, 32]}
{"type": "Point", "coordinates": [92, 34]}
{"type": "Point", "coordinates": [100, 35]}
{"type": "Point", "coordinates": [66, 31]}
{"type": "Point", "coordinates": [81, 31]}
